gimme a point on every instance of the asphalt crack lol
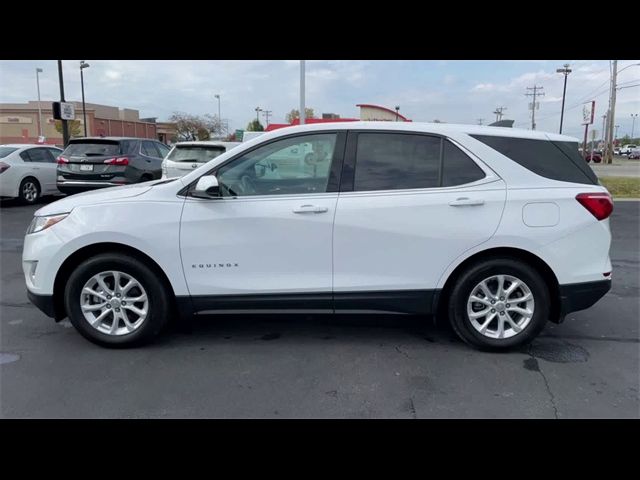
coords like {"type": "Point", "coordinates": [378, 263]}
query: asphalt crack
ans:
{"type": "Point", "coordinates": [402, 352]}
{"type": "Point", "coordinates": [412, 409]}
{"type": "Point", "coordinates": [534, 365]}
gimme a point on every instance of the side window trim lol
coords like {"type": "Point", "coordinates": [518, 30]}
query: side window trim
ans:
{"type": "Point", "coordinates": [351, 150]}
{"type": "Point", "coordinates": [334, 171]}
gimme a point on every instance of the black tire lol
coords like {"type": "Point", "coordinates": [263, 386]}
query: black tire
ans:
{"type": "Point", "coordinates": [475, 274]}
{"type": "Point", "coordinates": [157, 294]}
{"type": "Point", "coordinates": [30, 184]}
{"type": "Point", "coordinates": [146, 178]}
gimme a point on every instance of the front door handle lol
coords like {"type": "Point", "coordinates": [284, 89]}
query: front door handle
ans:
{"type": "Point", "coordinates": [466, 201]}
{"type": "Point", "coordinates": [310, 209]}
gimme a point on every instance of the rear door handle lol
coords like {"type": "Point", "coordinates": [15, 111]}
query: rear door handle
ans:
{"type": "Point", "coordinates": [466, 201]}
{"type": "Point", "coordinates": [310, 209]}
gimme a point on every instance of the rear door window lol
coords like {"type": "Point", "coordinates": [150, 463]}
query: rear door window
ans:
{"type": "Point", "coordinates": [392, 161]}
{"type": "Point", "coordinates": [555, 160]}
{"type": "Point", "coordinates": [149, 149]}
{"type": "Point", "coordinates": [38, 155]}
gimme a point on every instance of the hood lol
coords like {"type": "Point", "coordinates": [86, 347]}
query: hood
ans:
{"type": "Point", "coordinates": [102, 195]}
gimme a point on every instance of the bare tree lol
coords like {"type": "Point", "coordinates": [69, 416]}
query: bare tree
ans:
{"type": "Point", "coordinates": [295, 113]}
{"type": "Point", "coordinates": [194, 127]}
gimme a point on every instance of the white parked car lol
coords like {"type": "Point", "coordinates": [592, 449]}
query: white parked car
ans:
{"type": "Point", "coordinates": [28, 171]}
{"type": "Point", "coordinates": [497, 229]}
{"type": "Point", "coordinates": [626, 149]}
{"type": "Point", "coordinates": [187, 156]}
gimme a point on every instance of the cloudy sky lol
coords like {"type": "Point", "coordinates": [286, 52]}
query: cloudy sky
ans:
{"type": "Point", "coordinates": [451, 91]}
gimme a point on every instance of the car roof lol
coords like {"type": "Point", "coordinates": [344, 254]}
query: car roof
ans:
{"type": "Point", "coordinates": [110, 138]}
{"type": "Point", "coordinates": [205, 142]}
{"type": "Point", "coordinates": [426, 127]}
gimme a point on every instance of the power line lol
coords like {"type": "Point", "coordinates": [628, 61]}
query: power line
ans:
{"type": "Point", "coordinates": [499, 113]}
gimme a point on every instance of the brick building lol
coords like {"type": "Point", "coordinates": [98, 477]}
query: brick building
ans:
{"type": "Point", "coordinates": [19, 123]}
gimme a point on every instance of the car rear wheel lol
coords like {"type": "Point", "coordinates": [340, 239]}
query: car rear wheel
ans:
{"type": "Point", "coordinates": [115, 300]}
{"type": "Point", "coordinates": [29, 191]}
{"type": "Point", "coordinates": [499, 304]}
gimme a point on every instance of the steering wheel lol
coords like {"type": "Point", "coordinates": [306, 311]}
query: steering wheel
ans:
{"type": "Point", "coordinates": [247, 184]}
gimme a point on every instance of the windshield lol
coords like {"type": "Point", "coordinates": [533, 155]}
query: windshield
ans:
{"type": "Point", "coordinates": [195, 153]}
{"type": "Point", "coordinates": [4, 151]}
{"type": "Point", "coordinates": [92, 149]}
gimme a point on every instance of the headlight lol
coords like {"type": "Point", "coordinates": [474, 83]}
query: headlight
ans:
{"type": "Point", "coordinates": [42, 223]}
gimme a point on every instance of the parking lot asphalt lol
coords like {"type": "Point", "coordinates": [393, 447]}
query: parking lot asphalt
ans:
{"type": "Point", "coordinates": [298, 366]}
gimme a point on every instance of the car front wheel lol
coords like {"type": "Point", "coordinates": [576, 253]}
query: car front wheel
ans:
{"type": "Point", "coordinates": [499, 304]}
{"type": "Point", "coordinates": [116, 300]}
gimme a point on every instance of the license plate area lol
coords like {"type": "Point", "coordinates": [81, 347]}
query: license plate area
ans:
{"type": "Point", "coordinates": [86, 168]}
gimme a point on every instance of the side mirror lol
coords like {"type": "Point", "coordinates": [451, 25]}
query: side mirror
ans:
{"type": "Point", "coordinates": [207, 187]}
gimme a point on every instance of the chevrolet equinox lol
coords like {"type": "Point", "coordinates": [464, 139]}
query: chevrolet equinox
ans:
{"type": "Point", "coordinates": [498, 230]}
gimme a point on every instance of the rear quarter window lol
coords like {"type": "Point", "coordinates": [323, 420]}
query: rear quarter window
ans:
{"type": "Point", "coordinates": [555, 160]}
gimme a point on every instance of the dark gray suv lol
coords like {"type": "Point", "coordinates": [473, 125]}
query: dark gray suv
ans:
{"type": "Point", "coordinates": [89, 163]}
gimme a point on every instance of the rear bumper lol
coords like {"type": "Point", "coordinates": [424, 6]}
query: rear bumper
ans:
{"type": "Point", "coordinates": [44, 303]}
{"type": "Point", "coordinates": [78, 186]}
{"type": "Point", "coordinates": [579, 296]}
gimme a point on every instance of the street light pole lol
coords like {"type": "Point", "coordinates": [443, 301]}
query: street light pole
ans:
{"type": "Point", "coordinates": [83, 65]}
{"type": "Point", "coordinates": [566, 71]}
{"type": "Point", "coordinates": [39, 70]}
{"type": "Point", "coordinates": [258, 110]}
{"type": "Point", "coordinates": [65, 127]}
{"type": "Point", "coordinates": [397, 110]}
{"type": "Point", "coordinates": [219, 117]}
{"type": "Point", "coordinates": [302, 106]}
{"type": "Point", "coordinates": [633, 123]}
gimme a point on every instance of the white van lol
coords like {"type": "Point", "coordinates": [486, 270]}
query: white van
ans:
{"type": "Point", "coordinates": [187, 156]}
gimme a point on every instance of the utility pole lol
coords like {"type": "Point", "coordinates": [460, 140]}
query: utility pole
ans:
{"type": "Point", "coordinates": [38, 71]}
{"type": "Point", "coordinates": [566, 71]}
{"type": "Point", "coordinates": [537, 92]}
{"type": "Point", "coordinates": [65, 127]}
{"type": "Point", "coordinates": [302, 106]}
{"type": "Point", "coordinates": [217, 96]}
{"type": "Point", "coordinates": [611, 114]}
{"type": "Point", "coordinates": [267, 114]}
{"type": "Point", "coordinates": [480, 120]}
{"type": "Point", "coordinates": [633, 124]}
{"type": "Point", "coordinates": [499, 113]}
{"type": "Point", "coordinates": [604, 120]}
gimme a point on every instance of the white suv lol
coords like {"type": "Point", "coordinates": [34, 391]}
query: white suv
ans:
{"type": "Point", "coordinates": [496, 229]}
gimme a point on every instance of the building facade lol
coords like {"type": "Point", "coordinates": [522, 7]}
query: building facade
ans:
{"type": "Point", "coordinates": [20, 123]}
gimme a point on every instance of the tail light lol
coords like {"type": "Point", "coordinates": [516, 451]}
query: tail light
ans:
{"type": "Point", "coordinates": [600, 205]}
{"type": "Point", "coordinates": [4, 166]}
{"type": "Point", "coordinates": [61, 160]}
{"type": "Point", "coordinates": [117, 161]}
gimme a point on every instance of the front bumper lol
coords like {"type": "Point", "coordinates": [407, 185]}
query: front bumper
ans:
{"type": "Point", "coordinates": [46, 304]}
{"type": "Point", "coordinates": [579, 296]}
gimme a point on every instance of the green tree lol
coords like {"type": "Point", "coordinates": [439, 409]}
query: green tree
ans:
{"type": "Point", "coordinates": [293, 114]}
{"type": "Point", "coordinates": [73, 125]}
{"type": "Point", "coordinates": [255, 126]}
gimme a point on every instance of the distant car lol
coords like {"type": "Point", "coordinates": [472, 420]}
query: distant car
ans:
{"type": "Point", "coordinates": [187, 156]}
{"type": "Point", "coordinates": [595, 157]}
{"type": "Point", "coordinates": [626, 149]}
{"type": "Point", "coordinates": [28, 171]}
{"type": "Point", "coordinates": [635, 154]}
{"type": "Point", "coordinates": [89, 163]}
